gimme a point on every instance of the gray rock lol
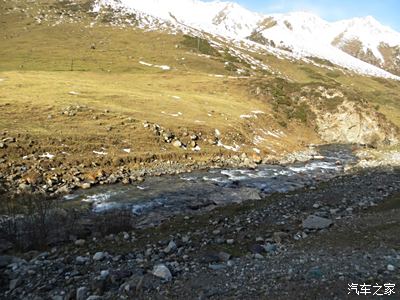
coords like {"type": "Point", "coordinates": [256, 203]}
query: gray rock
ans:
{"type": "Point", "coordinates": [25, 187]}
{"type": "Point", "coordinates": [161, 271]}
{"type": "Point", "coordinates": [112, 179]}
{"type": "Point", "coordinates": [185, 239]}
{"type": "Point", "coordinates": [81, 293]}
{"type": "Point", "coordinates": [81, 260]}
{"type": "Point", "coordinates": [15, 283]}
{"type": "Point", "coordinates": [390, 268]}
{"type": "Point", "coordinates": [177, 144]}
{"type": "Point", "coordinates": [80, 243]}
{"type": "Point", "coordinates": [230, 241]}
{"type": "Point", "coordinates": [248, 163]}
{"type": "Point", "coordinates": [315, 222]}
{"type": "Point", "coordinates": [86, 185]}
{"type": "Point", "coordinates": [216, 267]}
{"type": "Point", "coordinates": [63, 190]}
{"type": "Point", "coordinates": [99, 256]}
{"type": "Point", "coordinates": [94, 297]}
{"type": "Point", "coordinates": [104, 274]}
{"type": "Point", "coordinates": [5, 260]}
{"type": "Point", "coordinates": [270, 248]}
{"type": "Point", "coordinates": [171, 247]}
{"type": "Point", "coordinates": [224, 257]}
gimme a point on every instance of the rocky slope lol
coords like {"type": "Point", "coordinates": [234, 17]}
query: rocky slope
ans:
{"type": "Point", "coordinates": [350, 122]}
{"type": "Point", "coordinates": [339, 116]}
{"type": "Point", "coordinates": [308, 243]}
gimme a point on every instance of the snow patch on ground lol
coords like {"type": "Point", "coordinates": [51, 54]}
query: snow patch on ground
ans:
{"type": "Point", "coordinates": [248, 116]}
{"type": "Point", "coordinates": [178, 114]}
{"type": "Point", "coordinates": [100, 152]}
{"type": "Point", "coordinates": [47, 155]}
{"type": "Point", "coordinates": [162, 67]}
{"type": "Point", "coordinates": [234, 148]}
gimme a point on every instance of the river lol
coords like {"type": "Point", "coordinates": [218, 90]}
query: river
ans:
{"type": "Point", "coordinates": [202, 190]}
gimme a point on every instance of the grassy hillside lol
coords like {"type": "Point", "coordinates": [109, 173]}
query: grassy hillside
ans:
{"type": "Point", "coordinates": [71, 87]}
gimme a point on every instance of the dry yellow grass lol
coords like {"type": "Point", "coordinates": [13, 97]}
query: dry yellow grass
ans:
{"type": "Point", "coordinates": [114, 106]}
{"type": "Point", "coordinates": [36, 63]}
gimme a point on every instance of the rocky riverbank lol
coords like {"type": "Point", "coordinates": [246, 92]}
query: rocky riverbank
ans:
{"type": "Point", "coordinates": [306, 244]}
{"type": "Point", "coordinates": [43, 172]}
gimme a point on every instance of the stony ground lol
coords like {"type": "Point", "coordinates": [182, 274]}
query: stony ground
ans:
{"type": "Point", "coordinates": [308, 244]}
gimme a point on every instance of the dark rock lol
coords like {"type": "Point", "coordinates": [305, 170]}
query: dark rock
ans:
{"type": "Point", "coordinates": [315, 222]}
{"type": "Point", "coordinates": [81, 293]}
{"type": "Point", "coordinates": [5, 260]}
{"type": "Point", "coordinates": [15, 283]}
{"type": "Point", "coordinates": [314, 273]}
{"type": "Point", "coordinates": [257, 249]}
{"type": "Point", "coordinates": [224, 257]}
{"type": "Point", "coordinates": [98, 285]}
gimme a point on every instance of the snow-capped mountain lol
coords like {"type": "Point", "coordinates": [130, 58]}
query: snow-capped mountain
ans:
{"type": "Point", "coordinates": [360, 44]}
{"type": "Point", "coordinates": [370, 41]}
{"type": "Point", "coordinates": [369, 32]}
{"type": "Point", "coordinates": [224, 18]}
{"type": "Point", "coordinates": [344, 43]}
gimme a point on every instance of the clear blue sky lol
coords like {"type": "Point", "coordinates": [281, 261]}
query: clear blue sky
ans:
{"type": "Point", "coordinates": [385, 11]}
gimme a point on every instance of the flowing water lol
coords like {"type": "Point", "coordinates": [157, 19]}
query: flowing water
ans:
{"type": "Point", "coordinates": [174, 194]}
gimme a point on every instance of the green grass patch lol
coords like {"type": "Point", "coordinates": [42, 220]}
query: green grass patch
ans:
{"type": "Point", "coordinates": [198, 44]}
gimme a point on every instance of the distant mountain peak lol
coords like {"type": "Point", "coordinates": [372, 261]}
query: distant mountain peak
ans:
{"type": "Point", "coordinates": [363, 45]}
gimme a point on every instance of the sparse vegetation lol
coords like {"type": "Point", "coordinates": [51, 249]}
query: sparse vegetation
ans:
{"type": "Point", "coordinates": [199, 44]}
{"type": "Point", "coordinates": [333, 74]}
{"type": "Point", "coordinates": [321, 61]}
{"type": "Point", "coordinates": [259, 38]}
{"type": "Point", "coordinates": [34, 221]}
